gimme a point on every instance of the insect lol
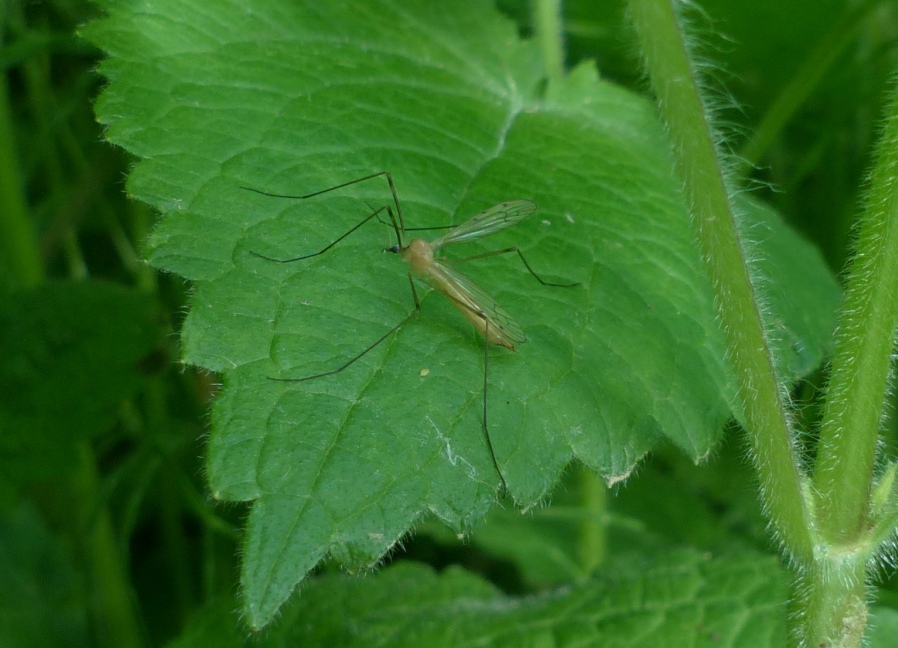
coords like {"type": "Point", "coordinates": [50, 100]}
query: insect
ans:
{"type": "Point", "coordinates": [479, 308]}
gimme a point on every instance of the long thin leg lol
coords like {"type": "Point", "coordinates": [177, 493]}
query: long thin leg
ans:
{"type": "Point", "coordinates": [527, 265]}
{"type": "Point", "coordinates": [486, 431]}
{"type": "Point", "coordinates": [332, 243]}
{"type": "Point", "coordinates": [381, 339]}
{"type": "Point", "coordinates": [386, 174]}
{"type": "Point", "coordinates": [432, 227]}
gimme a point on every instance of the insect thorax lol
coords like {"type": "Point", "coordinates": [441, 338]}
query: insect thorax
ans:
{"type": "Point", "coordinates": [419, 255]}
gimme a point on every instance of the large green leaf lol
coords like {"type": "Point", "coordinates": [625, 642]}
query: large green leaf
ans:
{"type": "Point", "coordinates": [295, 97]}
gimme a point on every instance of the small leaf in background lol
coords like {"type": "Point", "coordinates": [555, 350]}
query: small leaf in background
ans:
{"type": "Point", "coordinates": [71, 353]}
{"type": "Point", "coordinates": [296, 97]}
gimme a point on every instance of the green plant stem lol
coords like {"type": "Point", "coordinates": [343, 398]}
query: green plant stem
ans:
{"type": "Point", "coordinates": [177, 557]}
{"type": "Point", "coordinates": [765, 417]}
{"type": "Point", "coordinates": [834, 608]}
{"type": "Point", "coordinates": [593, 543]}
{"type": "Point", "coordinates": [856, 396]}
{"type": "Point", "coordinates": [18, 240]}
{"type": "Point", "coordinates": [804, 81]}
{"type": "Point", "coordinates": [42, 101]}
{"type": "Point", "coordinates": [548, 24]}
{"type": "Point", "coordinates": [114, 619]}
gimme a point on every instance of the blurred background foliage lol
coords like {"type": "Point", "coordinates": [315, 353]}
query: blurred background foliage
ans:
{"type": "Point", "coordinates": [106, 495]}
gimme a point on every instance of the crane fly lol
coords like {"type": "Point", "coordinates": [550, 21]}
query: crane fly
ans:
{"type": "Point", "coordinates": [479, 308]}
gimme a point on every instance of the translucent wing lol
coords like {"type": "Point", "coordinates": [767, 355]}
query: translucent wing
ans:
{"type": "Point", "coordinates": [477, 305]}
{"type": "Point", "coordinates": [487, 222]}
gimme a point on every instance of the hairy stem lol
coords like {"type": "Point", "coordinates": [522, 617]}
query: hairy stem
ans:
{"type": "Point", "coordinates": [856, 395]}
{"type": "Point", "coordinates": [676, 86]}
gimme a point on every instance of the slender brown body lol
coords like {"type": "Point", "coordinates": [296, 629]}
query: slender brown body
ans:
{"type": "Point", "coordinates": [461, 291]}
